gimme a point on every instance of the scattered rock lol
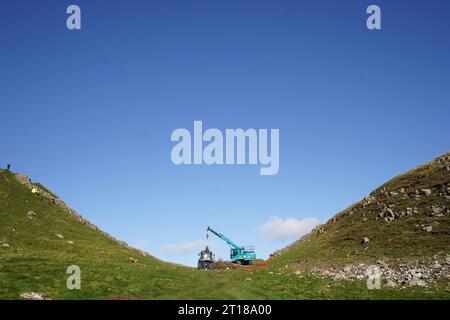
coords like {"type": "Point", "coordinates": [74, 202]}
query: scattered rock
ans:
{"type": "Point", "coordinates": [391, 284]}
{"type": "Point", "coordinates": [426, 192]}
{"type": "Point", "coordinates": [31, 215]}
{"type": "Point", "coordinates": [70, 242]}
{"type": "Point", "coordinates": [436, 265]}
{"type": "Point", "coordinates": [388, 215]}
{"type": "Point", "coordinates": [133, 260]}
{"type": "Point", "coordinates": [248, 279]}
{"type": "Point", "coordinates": [60, 236]}
{"type": "Point", "coordinates": [436, 211]}
{"type": "Point", "coordinates": [427, 228]}
{"type": "Point", "coordinates": [5, 245]}
{"type": "Point", "coordinates": [32, 296]}
{"type": "Point", "coordinates": [365, 240]}
{"type": "Point", "coordinates": [412, 273]}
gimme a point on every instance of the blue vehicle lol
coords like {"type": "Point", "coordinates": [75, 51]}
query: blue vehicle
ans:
{"type": "Point", "coordinates": [245, 255]}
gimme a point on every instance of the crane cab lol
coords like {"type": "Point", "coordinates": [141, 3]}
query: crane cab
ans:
{"type": "Point", "coordinates": [244, 255]}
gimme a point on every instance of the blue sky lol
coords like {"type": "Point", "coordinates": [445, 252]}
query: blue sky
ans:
{"type": "Point", "coordinates": [89, 113]}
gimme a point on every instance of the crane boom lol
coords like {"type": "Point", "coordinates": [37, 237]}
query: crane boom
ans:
{"type": "Point", "coordinates": [221, 236]}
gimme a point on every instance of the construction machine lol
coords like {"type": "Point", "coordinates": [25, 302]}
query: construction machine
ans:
{"type": "Point", "coordinates": [205, 260]}
{"type": "Point", "coordinates": [243, 254]}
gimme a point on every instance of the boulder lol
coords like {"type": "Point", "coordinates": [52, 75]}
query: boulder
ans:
{"type": "Point", "coordinates": [133, 260]}
{"type": "Point", "coordinates": [388, 215]}
{"type": "Point", "coordinates": [32, 296]}
{"type": "Point", "coordinates": [31, 215]}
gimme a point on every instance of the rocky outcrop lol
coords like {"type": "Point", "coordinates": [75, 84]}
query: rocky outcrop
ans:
{"type": "Point", "coordinates": [413, 273]}
{"type": "Point", "coordinates": [406, 197]}
{"type": "Point", "coordinates": [412, 209]}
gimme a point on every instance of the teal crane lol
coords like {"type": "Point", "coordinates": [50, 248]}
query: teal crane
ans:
{"type": "Point", "coordinates": [241, 254]}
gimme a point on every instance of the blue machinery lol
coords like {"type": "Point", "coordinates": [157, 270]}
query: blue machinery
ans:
{"type": "Point", "coordinates": [244, 255]}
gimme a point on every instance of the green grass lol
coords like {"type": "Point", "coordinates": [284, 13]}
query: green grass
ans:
{"type": "Point", "coordinates": [402, 239]}
{"type": "Point", "coordinates": [37, 259]}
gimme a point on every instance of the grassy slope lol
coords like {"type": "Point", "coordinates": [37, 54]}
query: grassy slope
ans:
{"type": "Point", "coordinates": [37, 260]}
{"type": "Point", "coordinates": [401, 239]}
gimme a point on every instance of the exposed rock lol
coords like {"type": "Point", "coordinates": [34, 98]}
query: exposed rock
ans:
{"type": "Point", "coordinates": [32, 296]}
{"type": "Point", "coordinates": [391, 284]}
{"type": "Point", "coordinates": [388, 215]}
{"type": "Point", "coordinates": [23, 179]}
{"type": "Point", "coordinates": [5, 245]}
{"type": "Point", "coordinates": [427, 228]}
{"type": "Point", "coordinates": [426, 192]}
{"type": "Point", "coordinates": [31, 215]}
{"type": "Point", "coordinates": [60, 236]}
{"type": "Point", "coordinates": [365, 240]}
{"type": "Point", "coordinates": [413, 273]}
{"type": "Point", "coordinates": [436, 211]}
{"type": "Point", "coordinates": [70, 242]}
{"type": "Point", "coordinates": [410, 211]}
{"type": "Point", "coordinates": [436, 265]}
{"type": "Point", "coordinates": [133, 260]}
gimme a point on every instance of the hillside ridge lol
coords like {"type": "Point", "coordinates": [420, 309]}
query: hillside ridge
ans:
{"type": "Point", "coordinates": [55, 200]}
{"type": "Point", "coordinates": [433, 182]}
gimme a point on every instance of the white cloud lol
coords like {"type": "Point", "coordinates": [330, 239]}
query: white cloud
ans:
{"type": "Point", "coordinates": [280, 229]}
{"type": "Point", "coordinates": [183, 248]}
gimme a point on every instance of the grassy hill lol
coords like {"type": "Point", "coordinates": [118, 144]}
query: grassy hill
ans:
{"type": "Point", "coordinates": [39, 240]}
{"type": "Point", "coordinates": [406, 219]}
{"type": "Point", "coordinates": [40, 236]}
